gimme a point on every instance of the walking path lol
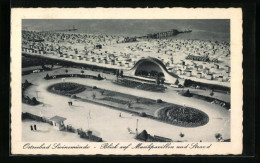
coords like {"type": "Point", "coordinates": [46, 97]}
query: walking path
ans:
{"type": "Point", "coordinates": [107, 122]}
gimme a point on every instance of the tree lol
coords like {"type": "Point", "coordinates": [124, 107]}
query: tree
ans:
{"type": "Point", "coordinates": [47, 76]}
{"type": "Point", "coordinates": [66, 71]}
{"type": "Point", "coordinates": [26, 82]}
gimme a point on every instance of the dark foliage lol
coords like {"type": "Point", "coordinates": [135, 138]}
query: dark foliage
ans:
{"type": "Point", "coordinates": [143, 114]}
{"type": "Point", "coordinates": [159, 101]}
{"type": "Point", "coordinates": [183, 116]}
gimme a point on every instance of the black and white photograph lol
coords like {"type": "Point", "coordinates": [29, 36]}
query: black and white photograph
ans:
{"type": "Point", "coordinates": [126, 80]}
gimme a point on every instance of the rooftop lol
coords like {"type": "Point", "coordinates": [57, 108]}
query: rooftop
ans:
{"type": "Point", "coordinates": [57, 119]}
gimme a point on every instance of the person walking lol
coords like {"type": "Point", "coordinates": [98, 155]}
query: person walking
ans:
{"type": "Point", "coordinates": [31, 128]}
{"type": "Point", "coordinates": [35, 127]}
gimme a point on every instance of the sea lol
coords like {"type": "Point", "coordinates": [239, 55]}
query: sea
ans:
{"type": "Point", "coordinates": [202, 29]}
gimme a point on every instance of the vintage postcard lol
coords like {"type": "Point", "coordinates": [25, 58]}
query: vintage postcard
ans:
{"type": "Point", "coordinates": [125, 81]}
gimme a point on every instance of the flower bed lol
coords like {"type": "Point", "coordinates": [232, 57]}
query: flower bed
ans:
{"type": "Point", "coordinates": [66, 88]}
{"type": "Point", "coordinates": [139, 85]}
{"type": "Point", "coordinates": [72, 75]}
{"type": "Point", "coordinates": [119, 101]}
{"type": "Point", "coordinates": [183, 116]}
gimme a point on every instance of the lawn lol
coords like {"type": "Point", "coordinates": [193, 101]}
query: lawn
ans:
{"type": "Point", "coordinates": [133, 104]}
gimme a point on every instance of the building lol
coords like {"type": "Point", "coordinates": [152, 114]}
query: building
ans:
{"type": "Point", "coordinates": [207, 71]}
{"type": "Point", "coordinates": [199, 75]}
{"type": "Point", "coordinates": [79, 57]}
{"type": "Point", "coordinates": [179, 72]}
{"type": "Point", "coordinates": [57, 122]}
{"type": "Point", "coordinates": [227, 68]}
{"type": "Point", "coordinates": [149, 65]}
{"type": "Point", "coordinates": [188, 73]}
{"type": "Point", "coordinates": [98, 46]}
{"type": "Point", "coordinates": [209, 77]}
{"type": "Point", "coordinates": [220, 78]}
{"type": "Point", "coordinates": [112, 62]}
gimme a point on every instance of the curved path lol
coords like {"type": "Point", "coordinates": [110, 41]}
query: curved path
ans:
{"type": "Point", "coordinates": [107, 121]}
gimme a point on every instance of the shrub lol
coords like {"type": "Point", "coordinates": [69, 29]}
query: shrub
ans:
{"type": "Point", "coordinates": [187, 93]}
{"type": "Point", "coordinates": [159, 101]}
{"type": "Point", "coordinates": [218, 135]}
{"type": "Point", "coordinates": [162, 81]}
{"type": "Point", "coordinates": [99, 77]}
{"type": "Point", "coordinates": [34, 101]}
{"type": "Point", "coordinates": [94, 87]}
{"type": "Point", "coordinates": [177, 81]}
{"type": "Point", "coordinates": [143, 114]}
{"type": "Point", "coordinates": [73, 96]}
{"type": "Point", "coordinates": [181, 135]}
{"type": "Point", "coordinates": [129, 104]}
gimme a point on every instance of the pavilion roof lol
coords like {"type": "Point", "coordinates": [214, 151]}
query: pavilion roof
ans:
{"type": "Point", "coordinates": [57, 119]}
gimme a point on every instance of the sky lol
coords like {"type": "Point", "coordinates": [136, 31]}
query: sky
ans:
{"type": "Point", "coordinates": [204, 29]}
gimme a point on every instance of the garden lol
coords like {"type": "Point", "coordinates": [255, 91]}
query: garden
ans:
{"type": "Point", "coordinates": [66, 88]}
{"type": "Point", "coordinates": [171, 113]}
{"type": "Point", "coordinates": [140, 85]}
{"type": "Point", "coordinates": [183, 116]}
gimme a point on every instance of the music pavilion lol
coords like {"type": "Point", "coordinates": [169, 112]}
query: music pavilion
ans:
{"type": "Point", "coordinates": [149, 68]}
